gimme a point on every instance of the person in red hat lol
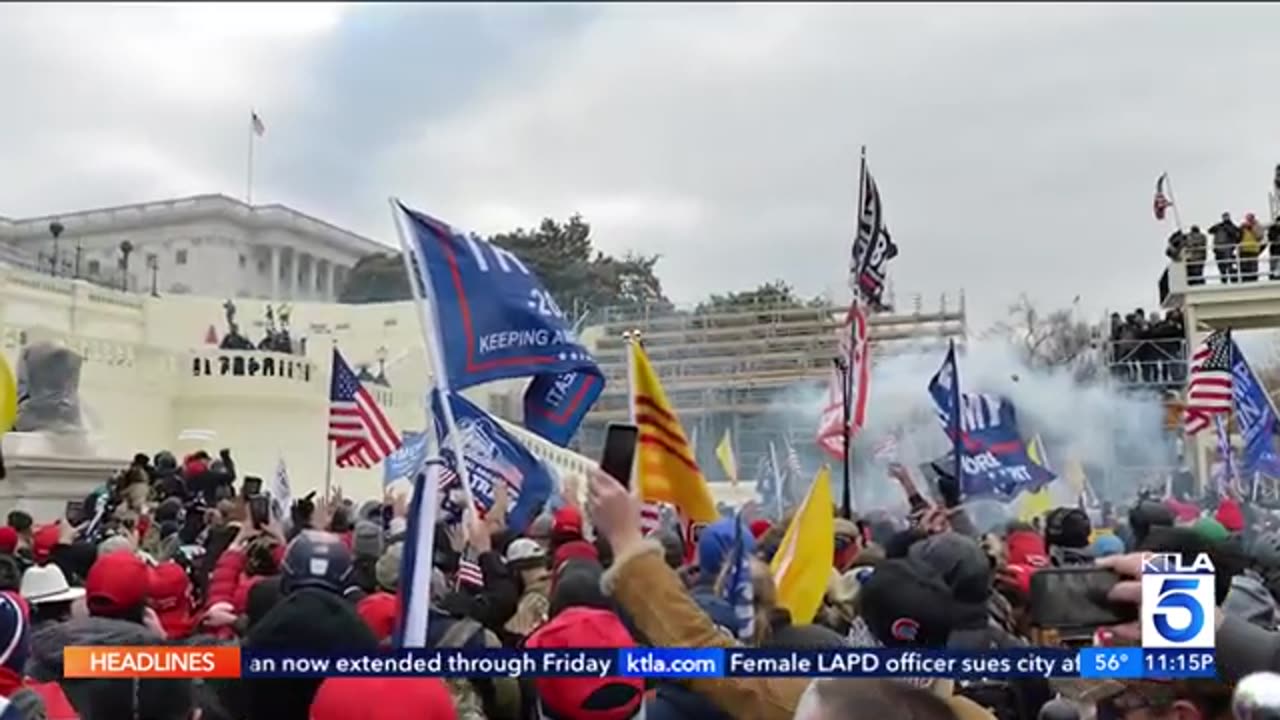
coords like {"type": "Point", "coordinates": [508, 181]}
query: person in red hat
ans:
{"type": "Point", "coordinates": [382, 698]}
{"type": "Point", "coordinates": [117, 587]}
{"type": "Point", "coordinates": [586, 698]}
{"type": "Point", "coordinates": [170, 596]}
{"type": "Point", "coordinates": [380, 611]}
{"type": "Point", "coordinates": [567, 541]}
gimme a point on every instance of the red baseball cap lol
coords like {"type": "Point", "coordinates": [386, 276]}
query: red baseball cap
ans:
{"type": "Point", "coordinates": [43, 540]}
{"type": "Point", "coordinates": [117, 582]}
{"type": "Point", "coordinates": [575, 549]}
{"type": "Point", "coordinates": [170, 591]}
{"type": "Point", "coordinates": [586, 698]}
{"type": "Point", "coordinates": [567, 520]}
{"type": "Point", "coordinates": [382, 698]}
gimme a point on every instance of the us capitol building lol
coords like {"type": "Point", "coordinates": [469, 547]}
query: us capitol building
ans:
{"type": "Point", "coordinates": [204, 322]}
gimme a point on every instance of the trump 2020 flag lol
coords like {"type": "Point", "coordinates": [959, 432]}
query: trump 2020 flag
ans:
{"type": "Point", "coordinates": [405, 460]}
{"type": "Point", "coordinates": [1256, 416]}
{"type": "Point", "coordinates": [991, 457]}
{"type": "Point", "coordinates": [500, 323]}
{"type": "Point", "coordinates": [493, 456]}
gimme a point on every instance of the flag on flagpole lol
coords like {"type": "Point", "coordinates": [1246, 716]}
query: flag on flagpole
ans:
{"type": "Point", "coordinates": [361, 432]}
{"type": "Point", "coordinates": [724, 453]}
{"type": "Point", "coordinates": [1035, 504]}
{"type": "Point", "coordinates": [736, 588]}
{"type": "Point", "coordinates": [1209, 385]}
{"type": "Point", "coordinates": [416, 563]}
{"type": "Point", "coordinates": [802, 566]}
{"type": "Point", "coordinates": [666, 470]}
{"type": "Point", "coordinates": [873, 247]}
{"type": "Point", "coordinates": [852, 375]}
{"type": "Point", "coordinates": [1161, 202]}
{"type": "Point", "coordinates": [256, 123]}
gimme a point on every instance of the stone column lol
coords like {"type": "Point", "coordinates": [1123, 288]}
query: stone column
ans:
{"type": "Point", "coordinates": [275, 271]}
{"type": "Point", "coordinates": [333, 281]}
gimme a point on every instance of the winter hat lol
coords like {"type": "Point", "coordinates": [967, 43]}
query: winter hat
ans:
{"type": "Point", "coordinates": [1026, 547]}
{"type": "Point", "coordinates": [577, 584]}
{"type": "Point", "coordinates": [387, 571]}
{"type": "Point", "coordinates": [575, 550]}
{"type": "Point", "coordinates": [540, 528]}
{"type": "Point", "coordinates": [1067, 527]}
{"type": "Point", "coordinates": [117, 583]}
{"type": "Point", "coordinates": [8, 540]}
{"type": "Point", "coordinates": [1210, 530]}
{"type": "Point", "coordinates": [1230, 515]}
{"type": "Point", "coordinates": [367, 542]}
{"type": "Point", "coordinates": [586, 698]}
{"type": "Point", "coordinates": [959, 562]}
{"type": "Point", "coordinates": [308, 620]}
{"type": "Point", "coordinates": [170, 591]}
{"type": "Point", "coordinates": [714, 544]}
{"type": "Point", "coordinates": [904, 603]}
{"type": "Point", "coordinates": [15, 633]}
{"type": "Point", "coordinates": [1107, 545]}
{"type": "Point", "coordinates": [380, 611]}
{"type": "Point", "coordinates": [403, 698]}
{"type": "Point", "coordinates": [264, 595]}
{"type": "Point", "coordinates": [115, 543]}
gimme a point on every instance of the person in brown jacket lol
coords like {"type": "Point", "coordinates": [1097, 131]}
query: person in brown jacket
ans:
{"type": "Point", "coordinates": [658, 604]}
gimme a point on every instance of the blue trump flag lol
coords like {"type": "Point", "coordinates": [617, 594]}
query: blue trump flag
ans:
{"type": "Point", "coordinates": [991, 457]}
{"type": "Point", "coordinates": [1256, 416]}
{"type": "Point", "coordinates": [493, 456]}
{"type": "Point", "coordinates": [497, 321]}
{"type": "Point", "coordinates": [406, 460]}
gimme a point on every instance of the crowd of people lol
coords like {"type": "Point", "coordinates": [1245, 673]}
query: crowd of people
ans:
{"type": "Point", "coordinates": [1149, 348]}
{"type": "Point", "coordinates": [170, 552]}
{"type": "Point", "coordinates": [1236, 250]}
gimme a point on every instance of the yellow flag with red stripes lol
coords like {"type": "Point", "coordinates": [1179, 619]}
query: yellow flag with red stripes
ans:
{"type": "Point", "coordinates": [665, 467]}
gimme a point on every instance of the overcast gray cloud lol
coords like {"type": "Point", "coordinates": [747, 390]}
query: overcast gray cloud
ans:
{"type": "Point", "coordinates": [1016, 146]}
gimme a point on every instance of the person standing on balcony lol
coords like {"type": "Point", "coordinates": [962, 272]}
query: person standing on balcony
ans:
{"type": "Point", "coordinates": [1226, 236]}
{"type": "Point", "coordinates": [1194, 248]}
{"type": "Point", "coordinates": [1273, 243]}
{"type": "Point", "coordinates": [1250, 248]}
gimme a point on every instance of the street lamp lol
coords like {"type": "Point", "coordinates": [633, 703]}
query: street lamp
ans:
{"type": "Point", "coordinates": [55, 229]}
{"type": "Point", "coordinates": [126, 249]}
{"type": "Point", "coordinates": [153, 264]}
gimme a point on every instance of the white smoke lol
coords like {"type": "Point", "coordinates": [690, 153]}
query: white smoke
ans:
{"type": "Point", "coordinates": [1118, 436]}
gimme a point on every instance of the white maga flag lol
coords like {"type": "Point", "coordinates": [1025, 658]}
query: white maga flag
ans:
{"type": "Point", "coordinates": [281, 495]}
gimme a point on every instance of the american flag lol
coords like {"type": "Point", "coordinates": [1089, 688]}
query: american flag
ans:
{"type": "Point", "coordinates": [469, 573]}
{"type": "Point", "coordinates": [650, 517]}
{"type": "Point", "coordinates": [1209, 382]}
{"type": "Point", "coordinates": [361, 434]}
{"type": "Point", "coordinates": [1161, 201]}
{"type": "Point", "coordinates": [886, 448]}
{"type": "Point", "coordinates": [852, 375]}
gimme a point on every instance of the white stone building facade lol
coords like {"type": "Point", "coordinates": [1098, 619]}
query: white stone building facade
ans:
{"type": "Point", "coordinates": [206, 245]}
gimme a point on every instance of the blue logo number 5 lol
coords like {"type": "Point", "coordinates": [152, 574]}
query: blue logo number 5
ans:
{"type": "Point", "coordinates": [1172, 596]}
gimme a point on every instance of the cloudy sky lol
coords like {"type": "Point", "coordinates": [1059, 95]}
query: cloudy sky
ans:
{"type": "Point", "coordinates": [1016, 147]}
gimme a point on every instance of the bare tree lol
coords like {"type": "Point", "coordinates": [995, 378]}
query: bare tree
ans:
{"type": "Point", "coordinates": [1055, 340]}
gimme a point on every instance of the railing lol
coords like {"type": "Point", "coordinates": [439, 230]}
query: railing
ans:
{"type": "Point", "coordinates": [696, 316]}
{"type": "Point", "coordinates": [1181, 275]}
{"type": "Point", "coordinates": [1157, 362]}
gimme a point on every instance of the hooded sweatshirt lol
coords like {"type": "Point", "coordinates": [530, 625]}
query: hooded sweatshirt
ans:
{"type": "Point", "coordinates": [1250, 600]}
{"type": "Point", "coordinates": [45, 662]}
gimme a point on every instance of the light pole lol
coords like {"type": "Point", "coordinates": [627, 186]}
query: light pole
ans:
{"type": "Point", "coordinates": [153, 264]}
{"type": "Point", "coordinates": [126, 249]}
{"type": "Point", "coordinates": [55, 229]}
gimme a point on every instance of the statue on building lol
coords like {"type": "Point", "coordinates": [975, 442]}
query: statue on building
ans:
{"type": "Point", "coordinates": [277, 338]}
{"type": "Point", "coordinates": [233, 340]}
{"type": "Point", "coordinates": [49, 389]}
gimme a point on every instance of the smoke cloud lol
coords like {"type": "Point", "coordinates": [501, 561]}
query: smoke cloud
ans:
{"type": "Point", "coordinates": [1117, 436]}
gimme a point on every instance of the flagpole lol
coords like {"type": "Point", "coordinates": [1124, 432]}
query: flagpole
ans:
{"type": "Point", "coordinates": [958, 441]}
{"type": "Point", "coordinates": [1173, 201]}
{"type": "Point", "coordinates": [328, 467]}
{"type": "Point", "coordinates": [846, 505]}
{"type": "Point", "coordinates": [426, 307]}
{"type": "Point", "coordinates": [248, 185]}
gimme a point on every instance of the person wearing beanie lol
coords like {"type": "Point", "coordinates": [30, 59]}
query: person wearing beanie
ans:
{"type": "Point", "coordinates": [387, 571]}
{"type": "Point", "coordinates": [759, 527]}
{"type": "Point", "coordinates": [1066, 537]}
{"type": "Point", "coordinates": [400, 699]}
{"type": "Point", "coordinates": [366, 548]}
{"type": "Point", "coordinates": [15, 643]}
{"type": "Point", "coordinates": [1210, 530]}
{"type": "Point", "coordinates": [848, 544]}
{"type": "Point", "coordinates": [380, 611]}
{"type": "Point", "coordinates": [1025, 547]}
{"type": "Point", "coordinates": [1144, 516]}
{"type": "Point", "coordinates": [1107, 545]}
{"type": "Point", "coordinates": [311, 617]}
{"type": "Point", "coordinates": [577, 584]}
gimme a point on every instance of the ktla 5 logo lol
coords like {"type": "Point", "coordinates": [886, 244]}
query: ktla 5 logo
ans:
{"type": "Point", "coordinates": [1177, 602]}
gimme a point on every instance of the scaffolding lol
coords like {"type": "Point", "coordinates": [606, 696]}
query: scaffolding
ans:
{"type": "Point", "coordinates": [755, 370]}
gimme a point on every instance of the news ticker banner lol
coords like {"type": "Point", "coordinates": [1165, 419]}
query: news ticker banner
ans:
{"type": "Point", "coordinates": [674, 663]}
